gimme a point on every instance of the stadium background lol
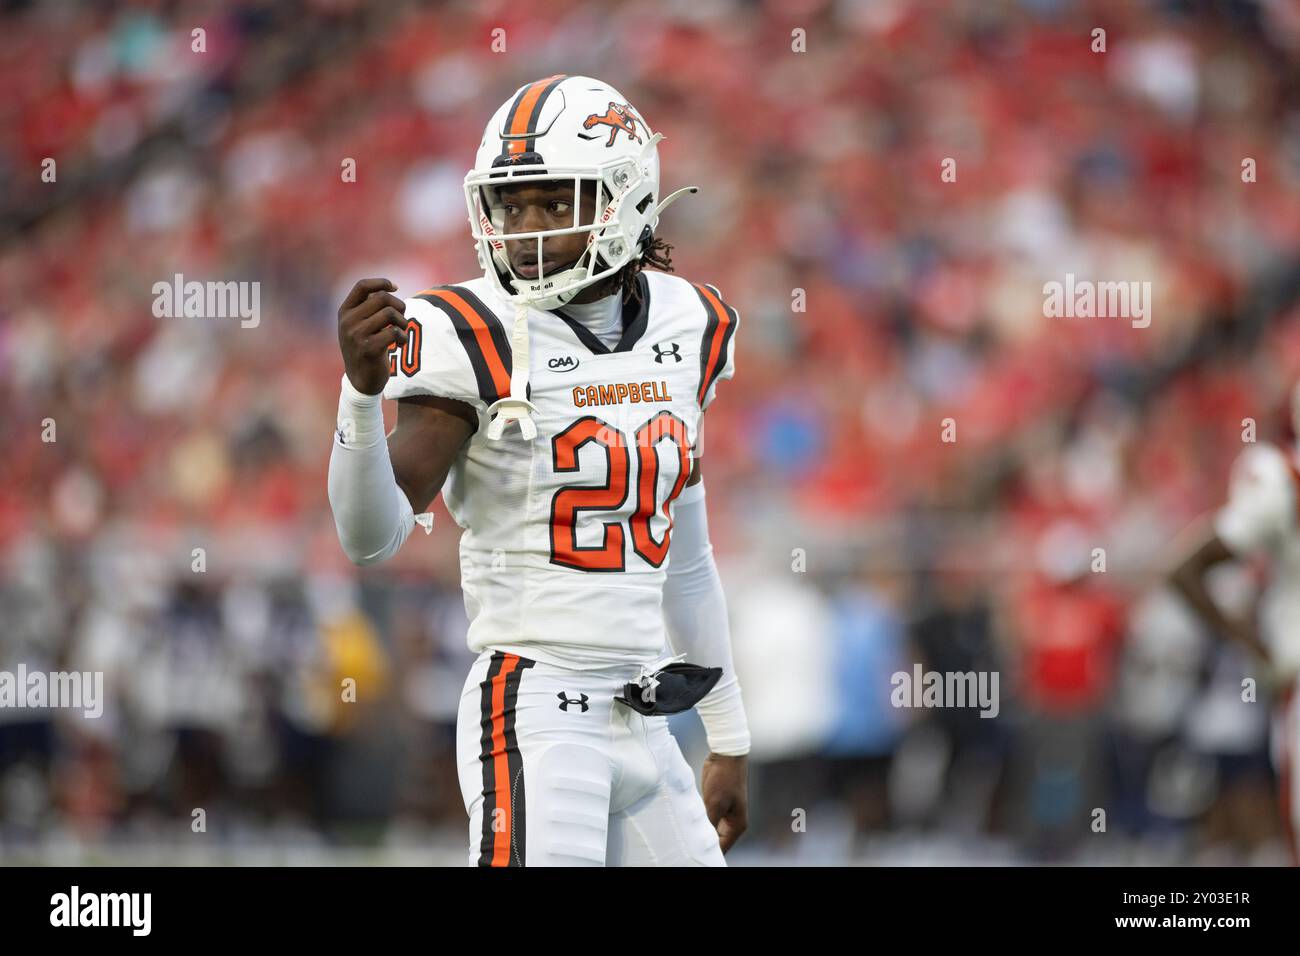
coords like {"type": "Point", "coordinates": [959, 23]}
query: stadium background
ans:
{"type": "Point", "coordinates": [819, 171]}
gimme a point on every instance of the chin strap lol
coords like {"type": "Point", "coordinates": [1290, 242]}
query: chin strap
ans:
{"type": "Point", "coordinates": [516, 406]}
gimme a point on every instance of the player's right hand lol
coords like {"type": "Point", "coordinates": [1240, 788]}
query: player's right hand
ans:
{"type": "Point", "coordinates": [371, 319]}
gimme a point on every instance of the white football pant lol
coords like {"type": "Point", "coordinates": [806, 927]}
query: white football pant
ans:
{"type": "Point", "coordinates": [555, 773]}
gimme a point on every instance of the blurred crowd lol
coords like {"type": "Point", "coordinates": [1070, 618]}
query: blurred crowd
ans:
{"type": "Point", "coordinates": [913, 463]}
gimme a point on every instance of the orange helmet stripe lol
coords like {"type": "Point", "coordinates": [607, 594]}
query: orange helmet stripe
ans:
{"type": "Point", "coordinates": [523, 115]}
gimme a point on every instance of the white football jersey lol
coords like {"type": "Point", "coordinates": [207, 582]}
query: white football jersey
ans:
{"type": "Point", "coordinates": [1260, 518]}
{"type": "Point", "coordinates": [565, 543]}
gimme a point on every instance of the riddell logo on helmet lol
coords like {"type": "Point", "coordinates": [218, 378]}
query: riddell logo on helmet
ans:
{"type": "Point", "coordinates": [488, 230]}
{"type": "Point", "coordinates": [619, 117]}
{"type": "Point", "coordinates": [604, 218]}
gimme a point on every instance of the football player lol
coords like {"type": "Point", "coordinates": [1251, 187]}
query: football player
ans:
{"type": "Point", "coordinates": [557, 403]}
{"type": "Point", "coordinates": [1260, 519]}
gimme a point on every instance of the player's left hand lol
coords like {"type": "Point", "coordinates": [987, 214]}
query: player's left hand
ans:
{"type": "Point", "coordinates": [725, 788]}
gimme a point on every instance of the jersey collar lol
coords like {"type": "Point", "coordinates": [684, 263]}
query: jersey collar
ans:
{"type": "Point", "coordinates": [636, 311]}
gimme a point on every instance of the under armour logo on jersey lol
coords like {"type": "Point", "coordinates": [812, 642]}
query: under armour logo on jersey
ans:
{"type": "Point", "coordinates": [673, 353]}
{"type": "Point", "coordinates": [580, 700]}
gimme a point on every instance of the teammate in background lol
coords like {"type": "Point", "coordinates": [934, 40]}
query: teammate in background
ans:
{"type": "Point", "coordinates": [1261, 519]}
{"type": "Point", "coordinates": [557, 403]}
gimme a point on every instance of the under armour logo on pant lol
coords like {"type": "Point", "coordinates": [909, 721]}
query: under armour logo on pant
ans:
{"type": "Point", "coordinates": [580, 700]}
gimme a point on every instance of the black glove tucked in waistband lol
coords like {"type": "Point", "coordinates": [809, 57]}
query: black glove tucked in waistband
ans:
{"type": "Point", "coordinates": [670, 690]}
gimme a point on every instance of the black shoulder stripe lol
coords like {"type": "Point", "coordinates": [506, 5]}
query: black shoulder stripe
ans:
{"type": "Point", "coordinates": [481, 334]}
{"type": "Point", "coordinates": [718, 329]}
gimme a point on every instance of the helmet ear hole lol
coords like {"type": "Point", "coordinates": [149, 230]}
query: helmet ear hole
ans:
{"type": "Point", "coordinates": [641, 206]}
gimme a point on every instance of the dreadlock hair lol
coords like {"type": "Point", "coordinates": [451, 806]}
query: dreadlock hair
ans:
{"type": "Point", "coordinates": [656, 254]}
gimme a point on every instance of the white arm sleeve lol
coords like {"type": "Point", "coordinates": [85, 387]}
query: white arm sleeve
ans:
{"type": "Point", "coordinates": [695, 612]}
{"type": "Point", "coordinates": [371, 512]}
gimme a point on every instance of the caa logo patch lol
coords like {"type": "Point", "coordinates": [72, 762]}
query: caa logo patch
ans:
{"type": "Point", "coordinates": [562, 363]}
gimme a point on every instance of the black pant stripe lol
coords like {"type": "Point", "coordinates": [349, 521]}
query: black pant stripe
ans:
{"type": "Point", "coordinates": [485, 758]}
{"type": "Point", "coordinates": [515, 762]}
{"type": "Point", "coordinates": [516, 797]}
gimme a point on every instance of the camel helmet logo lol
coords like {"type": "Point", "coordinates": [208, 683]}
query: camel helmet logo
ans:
{"type": "Point", "coordinates": [618, 117]}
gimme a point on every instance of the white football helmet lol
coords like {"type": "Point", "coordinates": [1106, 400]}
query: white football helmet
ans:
{"type": "Point", "coordinates": [567, 128]}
